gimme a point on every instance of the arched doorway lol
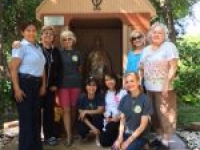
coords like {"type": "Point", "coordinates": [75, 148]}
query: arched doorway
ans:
{"type": "Point", "coordinates": [108, 31]}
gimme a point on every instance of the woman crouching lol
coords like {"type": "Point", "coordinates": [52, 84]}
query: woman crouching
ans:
{"type": "Point", "coordinates": [91, 107]}
{"type": "Point", "coordinates": [135, 114]}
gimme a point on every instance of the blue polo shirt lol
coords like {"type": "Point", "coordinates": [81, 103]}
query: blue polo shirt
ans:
{"type": "Point", "coordinates": [32, 58]}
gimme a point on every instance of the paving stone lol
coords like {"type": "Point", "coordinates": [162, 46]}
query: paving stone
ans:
{"type": "Point", "coordinates": [176, 143]}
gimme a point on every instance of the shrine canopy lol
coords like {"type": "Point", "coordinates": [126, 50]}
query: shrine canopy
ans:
{"type": "Point", "coordinates": [131, 12]}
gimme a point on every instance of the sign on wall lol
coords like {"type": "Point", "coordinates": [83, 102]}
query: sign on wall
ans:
{"type": "Point", "coordinates": [54, 20]}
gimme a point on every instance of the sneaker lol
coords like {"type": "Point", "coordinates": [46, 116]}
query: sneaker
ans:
{"type": "Point", "coordinates": [157, 145]}
{"type": "Point", "coordinates": [97, 142]}
{"type": "Point", "coordinates": [52, 141]}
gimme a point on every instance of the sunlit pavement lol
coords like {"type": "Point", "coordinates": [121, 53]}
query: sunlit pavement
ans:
{"type": "Point", "coordinates": [175, 144]}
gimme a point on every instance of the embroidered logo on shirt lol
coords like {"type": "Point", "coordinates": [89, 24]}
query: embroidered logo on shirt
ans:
{"type": "Point", "coordinates": [75, 58]}
{"type": "Point", "coordinates": [137, 109]}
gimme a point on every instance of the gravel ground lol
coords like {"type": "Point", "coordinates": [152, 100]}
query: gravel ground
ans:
{"type": "Point", "coordinates": [192, 138]}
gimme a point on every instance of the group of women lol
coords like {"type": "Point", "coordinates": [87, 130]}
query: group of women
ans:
{"type": "Point", "coordinates": [118, 115]}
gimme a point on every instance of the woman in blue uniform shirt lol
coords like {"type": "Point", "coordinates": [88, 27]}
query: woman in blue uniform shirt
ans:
{"type": "Point", "coordinates": [136, 110]}
{"type": "Point", "coordinates": [27, 74]}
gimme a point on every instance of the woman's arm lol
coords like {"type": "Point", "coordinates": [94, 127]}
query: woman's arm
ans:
{"type": "Point", "coordinates": [99, 110]}
{"type": "Point", "coordinates": [121, 126]}
{"type": "Point", "coordinates": [143, 125]}
{"type": "Point", "coordinates": [119, 140]}
{"type": "Point", "coordinates": [43, 85]}
{"type": "Point", "coordinates": [137, 132]}
{"type": "Point", "coordinates": [14, 65]}
{"type": "Point", "coordinates": [91, 126]}
{"type": "Point", "coordinates": [171, 74]}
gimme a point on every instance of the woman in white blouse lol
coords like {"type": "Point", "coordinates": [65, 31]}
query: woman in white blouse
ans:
{"type": "Point", "coordinates": [158, 66]}
{"type": "Point", "coordinates": [113, 95]}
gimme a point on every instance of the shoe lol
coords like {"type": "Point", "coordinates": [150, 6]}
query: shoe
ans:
{"type": "Point", "coordinates": [157, 145]}
{"type": "Point", "coordinates": [98, 142]}
{"type": "Point", "coordinates": [52, 141]}
{"type": "Point", "coordinates": [68, 143]}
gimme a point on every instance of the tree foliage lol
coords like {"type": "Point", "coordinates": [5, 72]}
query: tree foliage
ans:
{"type": "Point", "coordinates": [14, 13]}
{"type": "Point", "coordinates": [170, 10]}
{"type": "Point", "coordinates": [188, 81]}
{"type": "Point", "coordinates": [180, 8]}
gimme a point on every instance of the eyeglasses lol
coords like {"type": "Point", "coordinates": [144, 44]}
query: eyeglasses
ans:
{"type": "Point", "coordinates": [67, 39]}
{"type": "Point", "coordinates": [137, 37]}
{"type": "Point", "coordinates": [48, 33]}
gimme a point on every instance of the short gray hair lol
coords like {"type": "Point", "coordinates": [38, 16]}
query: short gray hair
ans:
{"type": "Point", "coordinates": [67, 34]}
{"type": "Point", "coordinates": [158, 24]}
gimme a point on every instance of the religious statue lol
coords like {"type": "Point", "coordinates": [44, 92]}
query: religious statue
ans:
{"type": "Point", "coordinates": [98, 62]}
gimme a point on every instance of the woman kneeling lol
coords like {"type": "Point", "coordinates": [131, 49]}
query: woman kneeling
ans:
{"type": "Point", "coordinates": [135, 114]}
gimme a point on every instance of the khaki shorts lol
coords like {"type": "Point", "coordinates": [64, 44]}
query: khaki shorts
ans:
{"type": "Point", "coordinates": [164, 115]}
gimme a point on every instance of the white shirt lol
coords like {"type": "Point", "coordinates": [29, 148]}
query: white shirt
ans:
{"type": "Point", "coordinates": [112, 101]}
{"type": "Point", "coordinates": [156, 65]}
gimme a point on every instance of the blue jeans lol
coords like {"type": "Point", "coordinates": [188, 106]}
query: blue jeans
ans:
{"type": "Point", "coordinates": [137, 144]}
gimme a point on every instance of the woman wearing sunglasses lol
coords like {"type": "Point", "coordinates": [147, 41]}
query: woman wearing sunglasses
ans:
{"type": "Point", "coordinates": [137, 40]}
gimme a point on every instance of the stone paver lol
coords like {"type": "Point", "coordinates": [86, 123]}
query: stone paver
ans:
{"type": "Point", "coordinates": [175, 144]}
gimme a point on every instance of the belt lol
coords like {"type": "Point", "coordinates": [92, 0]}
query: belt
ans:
{"type": "Point", "coordinates": [29, 77]}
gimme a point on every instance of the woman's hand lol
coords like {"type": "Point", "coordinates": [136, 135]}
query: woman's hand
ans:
{"type": "Point", "coordinates": [53, 88]}
{"type": "Point", "coordinates": [19, 95]}
{"type": "Point", "coordinates": [126, 143]}
{"type": "Point", "coordinates": [117, 143]}
{"type": "Point", "coordinates": [95, 130]}
{"type": "Point", "coordinates": [42, 91]}
{"type": "Point", "coordinates": [16, 44]}
{"type": "Point", "coordinates": [82, 114]}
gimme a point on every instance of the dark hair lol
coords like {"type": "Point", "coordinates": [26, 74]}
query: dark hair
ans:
{"type": "Point", "coordinates": [112, 75]}
{"type": "Point", "coordinates": [90, 79]}
{"type": "Point", "coordinates": [24, 25]}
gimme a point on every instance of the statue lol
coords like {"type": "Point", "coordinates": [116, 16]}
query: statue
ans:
{"type": "Point", "coordinates": [98, 62]}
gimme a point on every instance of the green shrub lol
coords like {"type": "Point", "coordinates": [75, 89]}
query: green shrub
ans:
{"type": "Point", "coordinates": [8, 109]}
{"type": "Point", "coordinates": [187, 83]}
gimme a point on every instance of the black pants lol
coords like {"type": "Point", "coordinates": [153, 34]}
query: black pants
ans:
{"type": "Point", "coordinates": [48, 102]}
{"type": "Point", "coordinates": [29, 115]}
{"type": "Point", "coordinates": [108, 136]}
{"type": "Point", "coordinates": [83, 129]}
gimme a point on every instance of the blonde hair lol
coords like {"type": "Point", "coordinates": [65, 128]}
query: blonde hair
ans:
{"type": "Point", "coordinates": [50, 28]}
{"type": "Point", "coordinates": [161, 25]}
{"type": "Point", "coordinates": [136, 75]}
{"type": "Point", "coordinates": [134, 33]}
{"type": "Point", "coordinates": [45, 28]}
{"type": "Point", "coordinates": [67, 34]}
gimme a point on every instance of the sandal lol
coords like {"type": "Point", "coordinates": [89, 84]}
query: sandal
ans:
{"type": "Point", "coordinates": [68, 143]}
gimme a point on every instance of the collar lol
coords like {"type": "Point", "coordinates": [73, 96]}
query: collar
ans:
{"type": "Point", "coordinates": [25, 42]}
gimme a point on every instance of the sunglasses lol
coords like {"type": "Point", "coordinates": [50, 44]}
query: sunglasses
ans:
{"type": "Point", "coordinates": [67, 39]}
{"type": "Point", "coordinates": [137, 37]}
